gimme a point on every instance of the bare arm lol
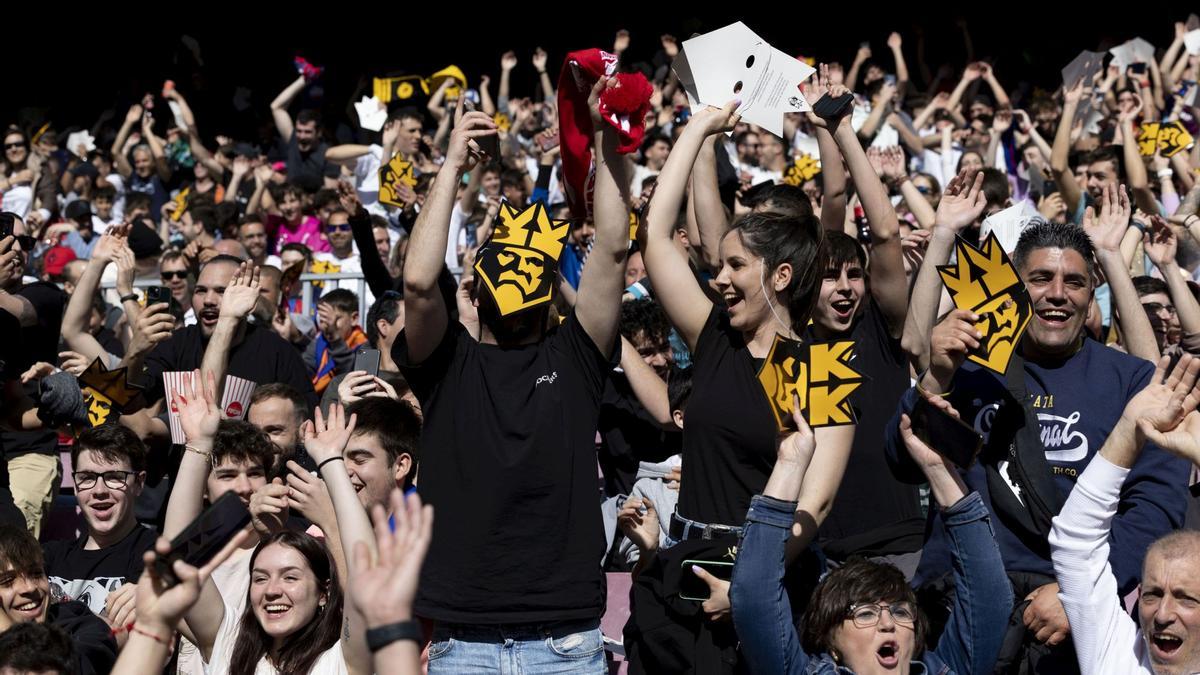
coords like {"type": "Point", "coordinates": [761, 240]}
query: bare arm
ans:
{"type": "Point", "coordinates": [156, 149]}
{"type": "Point", "coordinates": [706, 205]}
{"type": "Point", "coordinates": [435, 105]}
{"type": "Point", "coordinates": [889, 285]}
{"type": "Point", "coordinates": [539, 63]}
{"type": "Point", "coordinates": [860, 57]}
{"type": "Point", "coordinates": [118, 147]}
{"type": "Point", "coordinates": [346, 153]}
{"type": "Point", "coordinates": [279, 113]}
{"type": "Point", "coordinates": [1161, 246]}
{"type": "Point", "coordinates": [1135, 167]}
{"type": "Point", "coordinates": [647, 386]}
{"type": "Point", "coordinates": [682, 299]}
{"type": "Point", "coordinates": [833, 181]}
{"type": "Point", "coordinates": [485, 96]}
{"type": "Point", "coordinates": [598, 301]}
{"type": "Point", "coordinates": [423, 300]}
{"type": "Point", "coordinates": [1063, 176]}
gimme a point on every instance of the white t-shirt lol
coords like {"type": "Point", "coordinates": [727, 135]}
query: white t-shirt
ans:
{"type": "Point", "coordinates": [232, 578]}
{"type": "Point", "coordinates": [366, 175]}
{"type": "Point", "coordinates": [345, 265]}
{"type": "Point", "coordinates": [18, 199]}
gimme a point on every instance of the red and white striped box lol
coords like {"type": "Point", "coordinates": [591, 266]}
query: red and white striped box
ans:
{"type": "Point", "coordinates": [236, 400]}
{"type": "Point", "coordinates": [176, 381]}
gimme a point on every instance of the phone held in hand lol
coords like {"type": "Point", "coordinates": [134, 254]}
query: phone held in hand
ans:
{"type": "Point", "coordinates": [949, 437]}
{"type": "Point", "coordinates": [205, 536]}
{"type": "Point", "coordinates": [157, 294]}
{"type": "Point", "coordinates": [368, 360]}
{"type": "Point", "coordinates": [692, 587]}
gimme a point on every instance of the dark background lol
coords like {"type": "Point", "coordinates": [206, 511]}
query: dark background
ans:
{"type": "Point", "coordinates": [51, 74]}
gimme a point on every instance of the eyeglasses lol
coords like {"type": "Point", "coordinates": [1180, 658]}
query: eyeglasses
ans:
{"type": "Point", "coordinates": [866, 615]}
{"type": "Point", "coordinates": [344, 227]}
{"type": "Point", "coordinates": [115, 480]}
{"type": "Point", "coordinates": [178, 274]}
{"type": "Point", "coordinates": [26, 242]}
{"type": "Point", "coordinates": [14, 146]}
{"type": "Point", "coordinates": [1156, 307]}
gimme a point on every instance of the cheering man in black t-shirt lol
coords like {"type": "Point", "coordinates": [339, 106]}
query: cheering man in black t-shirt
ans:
{"type": "Point", "coordinates": [508, 446]}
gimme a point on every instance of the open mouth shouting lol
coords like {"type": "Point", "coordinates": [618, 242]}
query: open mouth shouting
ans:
{"type": "Point", "coordinates": [1164, 646]}
{"type": "Point", "coordinates": [209, 316]}
{"type": "Point", "coordinates": [888, 654]}
{"type": "Point", "coordinates": [843, 308]}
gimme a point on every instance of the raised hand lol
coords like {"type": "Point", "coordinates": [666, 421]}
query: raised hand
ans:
{"type": "Point", "coordinates": [508, 61]}
{"type": "Point", "coordinates": [539, 59]}
{"type": "Point", "coordinates": [1165, 410]}
{"type": "Point", "coordinates": [384, 588]}
{"type": "Point", "coordinates": [308, 495]}
{"type": "Point", "coordinates": [1160, 242]}
{"type": "Point", "coordinates": [875, 158]}
{"type": "Point", "coordinates": [962, 202]}
{"type": "Point", "coordinates": [463, 153]}
{"type": "Point", "coordinates": [891, 161]}
{"type": "Point", "coordinates": [925, 456]}
{"type": "Point", "coordinates": [326, 438]}
{"type": "Point", "coordinates": [348, 197]}
{"type": "Point", "coordinates": [154, 325]}
{"type": "Point", "coordinates": [1002, 121]}
{"type": "Point", "coordinates": [1108, 229]}
{"type": "Point", "coordinates": [670, 45]}
{"type": "Point", "coordinates": [159, 606]}
{"type": "Point", "coordinates": [950, 341]}
{"type": "Point", "coordinates": [354, 386]}
{"type": "Point", "coordinates": [269, 507]}
{"type": "Point", "coordinates": [197, 404]}
{"type": "Point", "coordinates": [73, 362]}
{"type": "Point", "coordinates": [798, 446]}
{"type": "Point", "coordinates": [894, 41]}
{"type": "Point", "coordinates": [241, 295]}
{"type": "Point", "coordinates": [621, 41]}
{"type": "Point", "coordinates": [713, 120]}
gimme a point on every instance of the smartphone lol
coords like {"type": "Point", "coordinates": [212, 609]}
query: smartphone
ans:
{"type": "Point", "coordinates": [949, 437]}
{"type": "Point", "coordinates": [156, 294]}
{"type": "Point", "coordinates": [487, 144]}
{"type": "Point", "coordinates": [547, 142]}
{"type": "Point", "coordinates": [890, 80]}
{"type": "Point", "coordinates": [368, 360]}
{"type": "Point", "coordinates": [205, 536]}
{"type": "Point", "coordinates": [692, 587]}
{"type": "Point", "coordinates": [7, 222]}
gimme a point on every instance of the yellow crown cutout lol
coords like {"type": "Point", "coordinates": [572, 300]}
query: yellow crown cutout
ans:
{"type": "Point", "coordinates": [804, 168]}
{"type": "Point", "coordinates": [519, 262]}
{"type": "Point", "coordinates": [819, 374]}
{"type": "Point", "coordinates": [105, 391]}
{"type": "Point", "coordinates": [398, 170]}
{"type": "Point", "coordinates": [985, 281]}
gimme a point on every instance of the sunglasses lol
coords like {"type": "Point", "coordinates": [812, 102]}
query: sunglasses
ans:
{"type": "Point", "coordinates": [14, 146]}
{"type": "Point", "coordinates": [345, 227]}
{"type": "Point", "coordinates": [167, 276]}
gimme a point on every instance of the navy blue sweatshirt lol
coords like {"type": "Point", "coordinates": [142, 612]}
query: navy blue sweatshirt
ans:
{"type": "Point", "coordinates": [1078, 402]}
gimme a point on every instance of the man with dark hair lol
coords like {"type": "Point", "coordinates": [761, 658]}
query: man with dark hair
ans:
{"type": "Point", "coordinates": [109, 465]}
{"type": "Point", "coordinates": [996, 190]}
{"type": "Point", "coordinates": [254, 353]}
{"type": "Point", "coordinates": [25, 599]}
{"type": "Point", "coordinates": [242, 456]}
{"type": "Point", "coordinates": [382, 453]}
{"type": "Point", "coordinates": [655, 149]}
{"type": "Point", "coordinates": [278, 410]}
{"type": "Point", "coordinates": [300, 143]}
{"type": "Point", "coordinates": [1042, 425]}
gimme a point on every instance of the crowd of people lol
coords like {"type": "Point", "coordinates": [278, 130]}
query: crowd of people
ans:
{"type": "Point", "coordinates": [545, 318]}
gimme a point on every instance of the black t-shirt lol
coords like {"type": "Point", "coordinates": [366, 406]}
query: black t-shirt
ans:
{"type": "Point", "coordinates": [873, 513]}
{"type": "Point", "coordinates": [262, 356]}
{"type": "Point", "coordinates": [38, 342]}
{"type": "Point", "coordinates": [95, 648]}
{"type": "Point", "coordinates": [508, 460]}
{"type": "Point", "coordinates": [729, 429]}
{"type": "Point", "coordinates": [629, 435]}
{"type": "Point", "coordinates": [307, 169]}
{"type": "Point", "coordinates": [89, 576]}
{"type": "Point", "coordinates": [155, 188]}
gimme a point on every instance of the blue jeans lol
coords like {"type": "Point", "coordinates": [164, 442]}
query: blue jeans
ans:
{"type": "Point", "coordinates": [763, 616]}
{"type": "Point", "coordinates": [524, 649]}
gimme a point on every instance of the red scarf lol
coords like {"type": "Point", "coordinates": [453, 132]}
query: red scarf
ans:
{"type": "Point", "coordinates": [624, 107]}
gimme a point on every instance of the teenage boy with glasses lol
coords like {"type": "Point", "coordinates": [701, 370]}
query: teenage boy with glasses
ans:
{"type": "Point", "coordinates": [102, 566]}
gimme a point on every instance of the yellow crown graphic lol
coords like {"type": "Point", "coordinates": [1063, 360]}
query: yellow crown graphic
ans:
{"type": "Point", "coordinates": [532, 228]}
{"type": "Point", "coordinates": [980, 274]}
{"type": "Point", "coordinates": [111, 384]}
{"type": "Point", "coordinates": [985, 281]}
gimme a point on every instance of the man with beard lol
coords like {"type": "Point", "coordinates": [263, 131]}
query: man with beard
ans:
{"type": "Point", "coordinates": [1041, 426]}
{"type": "Point", "coordinates": [252, 233]}
{"type": "Point", "coordinates": [251, 352]}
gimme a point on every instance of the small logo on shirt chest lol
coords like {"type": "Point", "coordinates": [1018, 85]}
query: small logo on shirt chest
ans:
{"type": "Point", "coordinates": [546, 379]}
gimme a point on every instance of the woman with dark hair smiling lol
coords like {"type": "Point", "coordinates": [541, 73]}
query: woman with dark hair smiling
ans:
{"type": "Point", "coordinates": [863, 617]}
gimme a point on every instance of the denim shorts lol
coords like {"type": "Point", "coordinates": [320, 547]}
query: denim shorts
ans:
{"type": "Point", "coordinates": [518, 649]}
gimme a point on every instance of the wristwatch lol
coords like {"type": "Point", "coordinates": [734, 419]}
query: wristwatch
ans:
{"type": "Point", "coordinates": [378, 638]}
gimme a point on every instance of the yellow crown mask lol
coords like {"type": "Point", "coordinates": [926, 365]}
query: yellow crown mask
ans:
{"type": "Point", "coordinates": [985, 281]}
{"type": "Point", "coordinates": [398, 170]}
{"type": "Point", "coordinates": [519, 263]}
{"type": "Point", "coordinates": [106, 392]}
{"type": "Point", "coordinates": [819, 374]}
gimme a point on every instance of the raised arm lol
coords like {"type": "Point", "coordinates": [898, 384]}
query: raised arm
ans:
{"type": "Point", "coordinates": [896, 173]}
{"type": "Point", "coordinates": [133, 117]}
{"type": "Point", "coordinates": [279, 112]}
{"type": "Point", "coordinates": [508, 61]}
{"type": "Point", "coordinates": [598, 301]}
{"type": "Point", "coordinates": [1135, 167]}
{"type": "Point", "coordinates": [79, 304]}
{"type": "Point", "coordinates": [539, 64]}
{"type": "Point", "coordinates": [325, 440]}
{"type": "Point", "coordinates": [962, 203]}
{"type": "Point", "coordinates": [998, 93]}
{"type": "Point", "coordinates": [1063, 176]}
{"type": "Point", "coordinates": [705, 203]}
{"type": "Point", "coordinates": [666, 260]}
{"type": "Point", "coordinates": [889, 285]}
{"type": "Point", "coordinates": [648, 387]}
{"type": "Point", "coordinates": [895, 43]}
{"type": "Point", "coordinates": [239, 299]}
{"type": "Point", "coordinates": [156, 148]}
{"type": "Point", "coordinates": [1161, 245]}
{"type": "Point", "coordinates": [860, 57]}
{"type": "Point", "coordinates": [346, 153]}
{"type": "Point", "coordinates": [1106, 231]}
{"type": "Point", "coordinates": [423, 302]}
{"type": "Point", "coordinates": [485, 96]}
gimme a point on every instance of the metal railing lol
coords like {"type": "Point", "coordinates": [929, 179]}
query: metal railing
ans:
{"type": "Point", "coordinates": [307, 293]}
